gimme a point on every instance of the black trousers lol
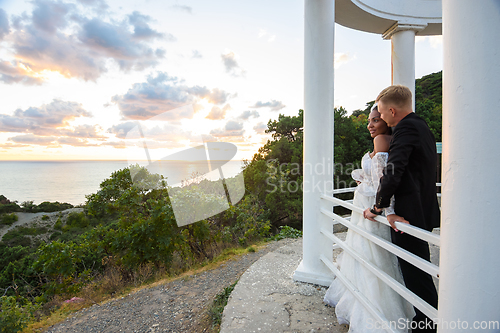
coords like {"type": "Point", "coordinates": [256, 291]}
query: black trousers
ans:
{"type": "Point", "coordinates": [416, 280]}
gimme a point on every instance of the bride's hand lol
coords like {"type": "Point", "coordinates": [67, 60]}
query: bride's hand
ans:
{"type": "Point", "coordinates": [369, 215]}
{"type": "Point", "coordinates": [393, 218]}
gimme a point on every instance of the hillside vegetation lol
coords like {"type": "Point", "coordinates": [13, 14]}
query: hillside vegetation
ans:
{"type": "Point", "coordinates": [127, 233]}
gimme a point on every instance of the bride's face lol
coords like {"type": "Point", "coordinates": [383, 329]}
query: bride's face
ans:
{"type": "Point", "coordinates": [376, 125]}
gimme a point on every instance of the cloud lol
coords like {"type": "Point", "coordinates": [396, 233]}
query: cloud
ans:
{"type": "Point", "coordinates": [50, 16]}
{"type": "Point", "coordinates": [160, 132]}
{"type": "Point", "coordinates": [9, 145]}
{"type": "Point", "coordinates": [16, 72]}
{"type": "Point", "coordinates": [58, 36]}
{"type": "Point", "coordinates": [341, 58]}
{"type": "Point", "coordinates": [31, 139]}
{"type": "Point", "coordinates": [274, 105]}
{"type": "Point", "coordinates": [44, 119]}
{"type": "Point", "coordinates": [183, 8]}
{"type": "Point", "coordinates": [231, 65]}
{"type": "Point", "coordinates": [142, 30]}
{"type": "Point", "coordinates": [121, 130]}
{"type": "Point", "coordinates": [75, 142]}
{"type": "Point", "coordinates": [116, 144]}
{"type": "Point", "coordinates": [115, 41]}
{"type": "Point", "coordinates": [196, 55]}
{"type": "Point", "coordinates": [434, 41]}
{"type": "Point", "coordinates": [50, 141]}
{"type": "Point", "coordinates": [100, 5]}
{"type": "Point", "coordinates": [260, 128]}
{"type": "Point", "coordinates": [247, 114]}
{"type": "Point", "coordinates": [163, 93]}
{"type": "Point", "coordinates": [4, 24]}
{"type": "Point", "coordinates": [232, 128]}
{"type": "Point", "coordinates": [263, 32]}
{"type": "Point", "coordinates": [217, 113]}
{"type": "Point", "coordinates": [82, 131]}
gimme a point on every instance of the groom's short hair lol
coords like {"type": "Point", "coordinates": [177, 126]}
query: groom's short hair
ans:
{"type": "Point", "coordinates": [397, 94]}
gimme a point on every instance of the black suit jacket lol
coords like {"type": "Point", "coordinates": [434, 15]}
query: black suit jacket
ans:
{"type": "Point", "coordinates": [410, 174]}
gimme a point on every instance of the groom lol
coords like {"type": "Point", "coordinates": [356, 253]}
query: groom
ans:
{"type": "Point", "coordinates": [410, 176]}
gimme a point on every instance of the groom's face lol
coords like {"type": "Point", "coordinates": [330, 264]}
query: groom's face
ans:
{"type": "Point", "coordinates": [386, 113]}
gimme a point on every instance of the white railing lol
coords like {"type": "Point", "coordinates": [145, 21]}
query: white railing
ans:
{"type": "Point", "coordinates": [424, 265]}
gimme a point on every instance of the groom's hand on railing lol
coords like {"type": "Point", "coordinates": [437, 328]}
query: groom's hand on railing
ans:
{"type": "Point", "coordinates": [393, 218]}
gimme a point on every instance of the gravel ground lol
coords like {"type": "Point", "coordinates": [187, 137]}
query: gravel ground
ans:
{"type": "Point", "coordinates": [178, 306]}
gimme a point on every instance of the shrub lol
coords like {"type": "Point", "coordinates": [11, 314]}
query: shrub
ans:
{"type": "Point", "coordinates": [45, 218]}
{"type": "Point", "coordinates": [16, 237]}
{"type": "Point", "coordinates": [9, 208]}
{"type": "Point", "coordinates": [288, 232]}
{"type": "Point", "coordinates": [49, 207]}
{"type": "Point", "coordinates": [55, 235]}
{"type": "Point", "coordinates": [13, 317]}
{"type": "Point", "coordinates": [8, 219]}
{"type": "Point", "coordinates": [77, 220]}
{"type": "Point", "coordinates": [58, 225]}
{"type": "Point", "coordinates": [28, 206]}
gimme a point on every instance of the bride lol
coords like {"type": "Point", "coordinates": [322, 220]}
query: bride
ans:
{"type": "Point", "coordinates": [389, 303]}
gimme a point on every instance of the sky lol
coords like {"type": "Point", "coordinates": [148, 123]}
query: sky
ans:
{"type": "Point", "coordinates": [77, 75]}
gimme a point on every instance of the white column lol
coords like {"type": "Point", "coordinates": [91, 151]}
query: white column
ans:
{"type": "Point", "coordinates": [318, 138]}
{"type": "Point", "coordinates": [402, 38]}
{"type": "Point", "coordinates": [469, 288]}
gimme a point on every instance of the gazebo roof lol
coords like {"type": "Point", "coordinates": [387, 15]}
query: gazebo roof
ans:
{"type": "Point", "coordinates": [379, 16]}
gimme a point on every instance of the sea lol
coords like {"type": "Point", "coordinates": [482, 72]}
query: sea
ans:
{"type": "Point", "coordinates": [70, 181]}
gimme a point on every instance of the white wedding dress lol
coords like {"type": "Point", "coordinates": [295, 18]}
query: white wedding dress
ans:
{"type": "Point", "coordinates": [347, 308]}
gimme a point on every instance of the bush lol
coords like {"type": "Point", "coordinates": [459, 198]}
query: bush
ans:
{"type": "Point", "coordinates": [8, 219]}
{"type": "Point", "coordinates": [13, 317]}
{"type": "Point", "coordinates": [288, 232]}
{"type": "Point", "coordinates": [58, 225]}
{"type": "Point", "coordinates": [7, 206]}
{"type": "Point", "coordinates": [28, 206]}
{"type": "Point", "coordinates": [49, 207]}
{"type": "Point", "coordinates": [78, 220]}
{"type": "Point", "coordinates": [16, 237]}
{"type": "Point", "coordinates": [45, 218]}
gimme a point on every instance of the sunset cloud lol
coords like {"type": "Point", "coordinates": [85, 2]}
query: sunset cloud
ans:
{"type": "Point", "coordinates": [274, 105]}
{"type": "Point", "coordinates": [341, 58]}
{"type": "Point", "coordinates": [248, 114]}
{"type": "Point", "coordinates": [44, 119]}
{"type": "Point", "coordinates": [260, 128]}
{"type": "Point", "coordinates": [217, 113]}
{"type": "Point", "coordinates": [231, 65]}
{"type": "Point", "coordinates": [4, 24]}
{"type": "Point", "coordinates": [31, 139]}
{"type": "Point", "coordinates": [49, 141]}
{"type": "Point", "coordinates": [16, 72]}
{"type": "Point", "coordinates": [163, 93]}
{"type": "Point", "coordinates": [58, 37]}
{"type": "Point", "coordinates": [232, 128]}
{"type": "Point", "coordinates": [158, 132]}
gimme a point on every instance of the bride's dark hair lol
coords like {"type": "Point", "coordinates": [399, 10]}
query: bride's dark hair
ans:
{"type": "Point", "coordinates": [375, 108]}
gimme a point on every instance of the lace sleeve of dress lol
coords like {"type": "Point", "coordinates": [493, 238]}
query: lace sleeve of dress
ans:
{"type": "Point", "coordinates": [379, 161]}
{"type": "Point", "coordinates": [358, 175]}
{"type": "Point", "coordinates": [390, 210]}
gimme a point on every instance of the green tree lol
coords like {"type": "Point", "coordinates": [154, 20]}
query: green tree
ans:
{"type": "Point", "coordinates": [429, 102]}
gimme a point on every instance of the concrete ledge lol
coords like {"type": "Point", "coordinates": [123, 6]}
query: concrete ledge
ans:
{"type": "Point", "coordinates": [266, 299]}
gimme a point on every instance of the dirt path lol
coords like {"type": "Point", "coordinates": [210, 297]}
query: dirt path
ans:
{"type": "Point", "coordinates": [178, 306]}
